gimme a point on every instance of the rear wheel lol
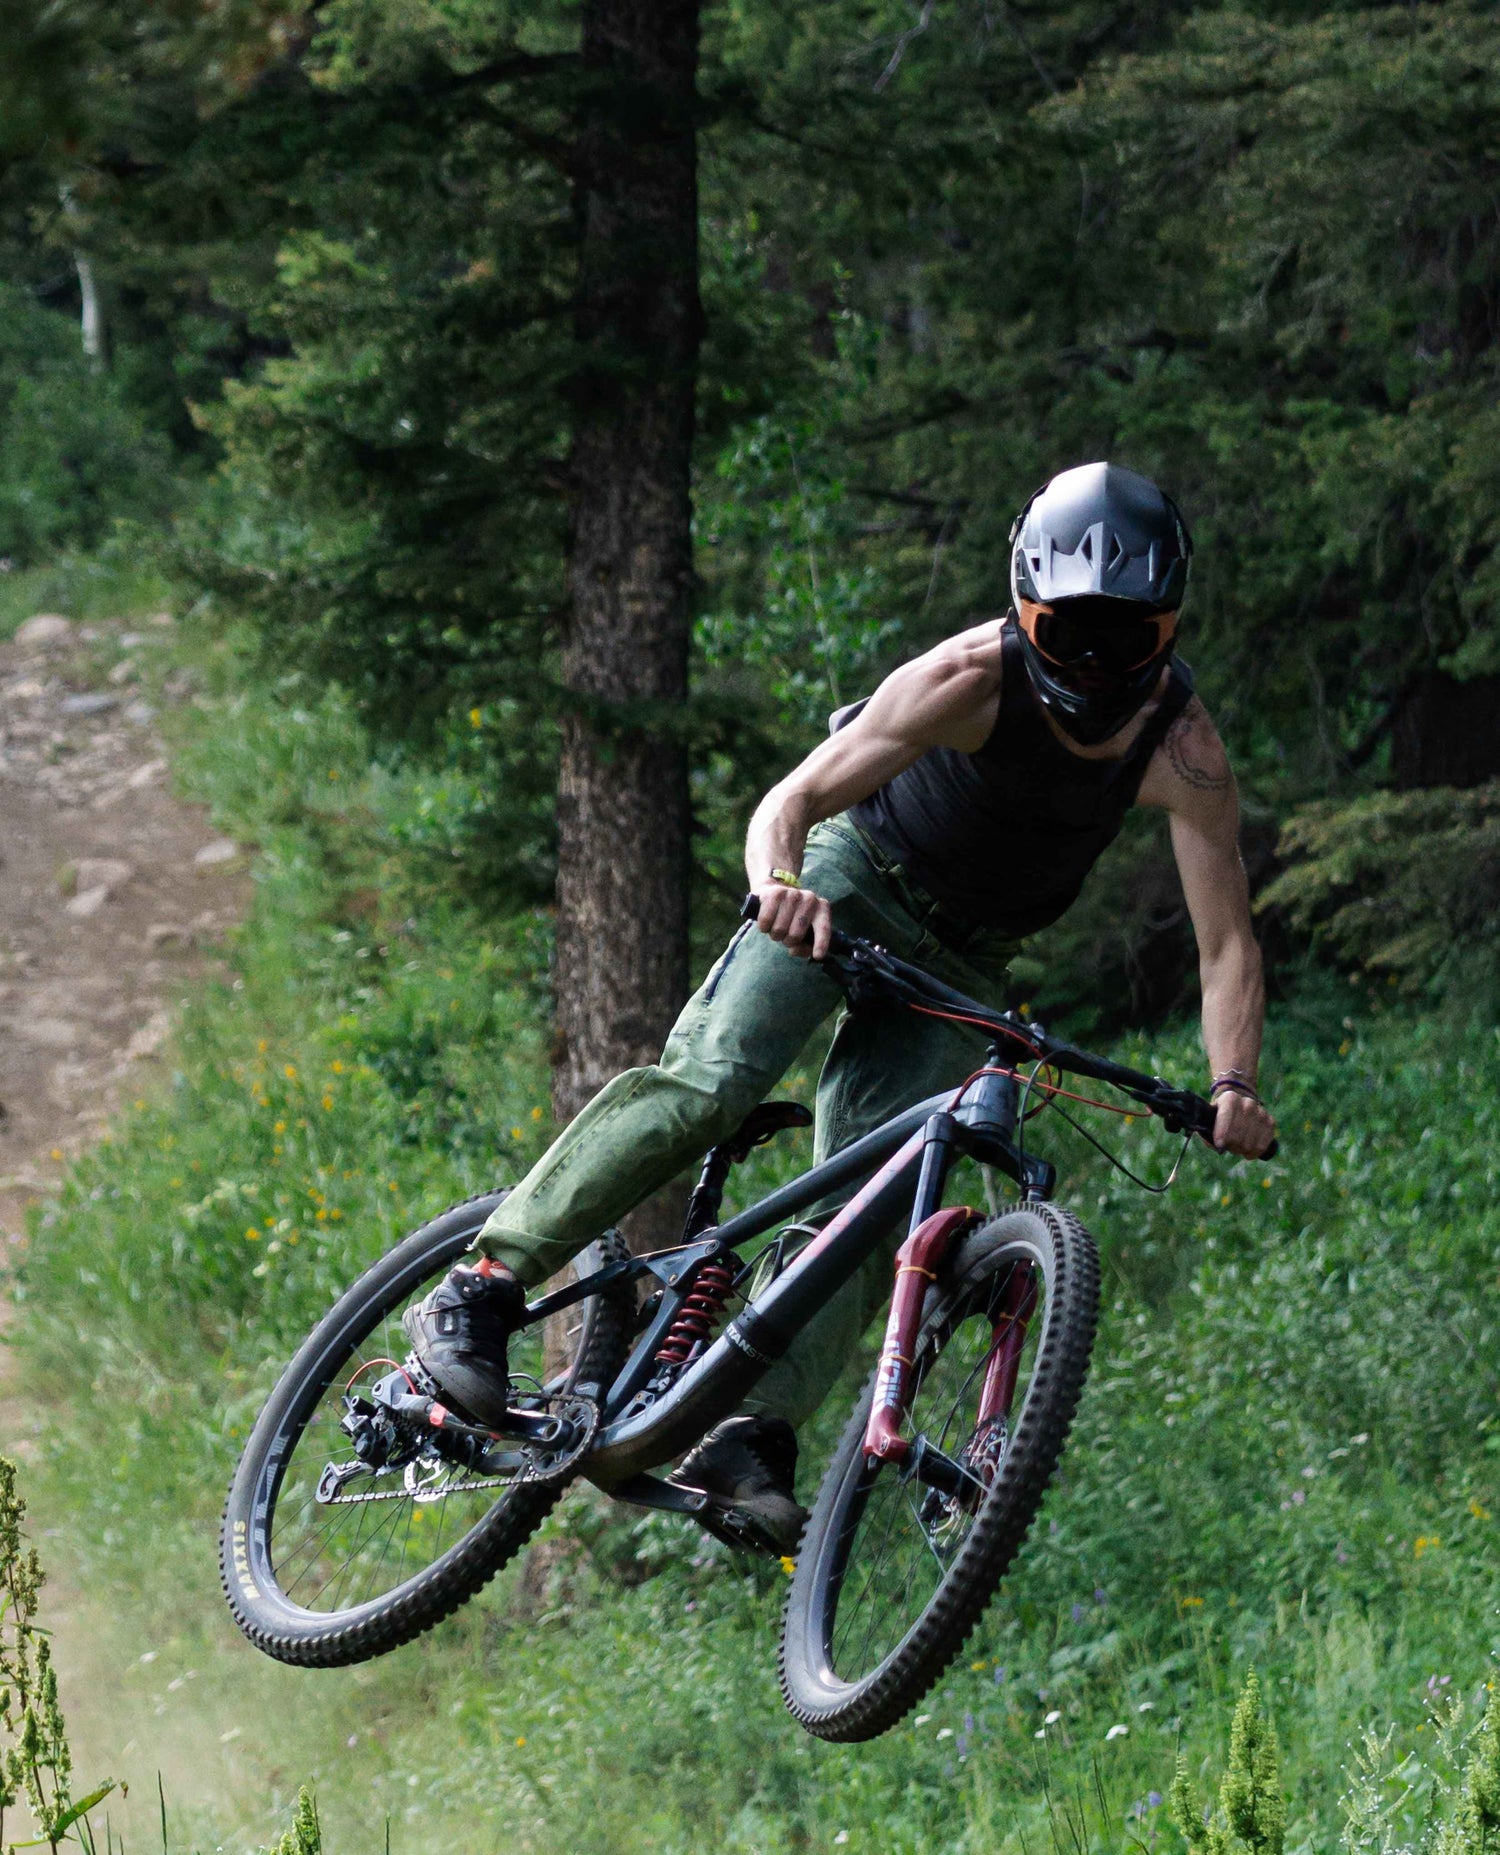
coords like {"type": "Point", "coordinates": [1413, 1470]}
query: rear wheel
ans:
{"type": "Point", "coordinates": [326, 1561]}
{"type": "Point", "coordinates": [894, 1569]}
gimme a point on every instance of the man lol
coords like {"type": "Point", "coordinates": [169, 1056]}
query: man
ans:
{"type": "Point", "coordinates": [954, 812]}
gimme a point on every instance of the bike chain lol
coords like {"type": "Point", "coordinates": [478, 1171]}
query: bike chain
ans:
{"type": "Point", "coordinates": [544, 1467]}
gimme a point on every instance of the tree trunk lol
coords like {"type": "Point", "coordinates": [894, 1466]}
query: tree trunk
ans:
{"type": "Point", "coordinates": [1447, 733]}
{"type": "Point", "coordinates": [622, 885]}
{"type": "Point", "coordinates": [91, 319]}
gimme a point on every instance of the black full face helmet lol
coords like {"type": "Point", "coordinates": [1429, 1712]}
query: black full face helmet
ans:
{"type": "Point", "coordinates": [1098, 571]}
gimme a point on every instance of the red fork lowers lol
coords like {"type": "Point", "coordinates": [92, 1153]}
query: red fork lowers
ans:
{"type": "Point", "coordinates": [1015, 1309]}
{"type": "Point", "coordinates": [917, 1263]}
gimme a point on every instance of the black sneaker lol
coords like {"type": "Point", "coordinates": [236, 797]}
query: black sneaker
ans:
{"type": "Point", "coordinates": [459, 1335]}
{"type": "Point", "coordinates": [748, 1467]}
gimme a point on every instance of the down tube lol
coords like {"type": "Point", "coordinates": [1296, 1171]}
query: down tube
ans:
{"type": "Point", "coordinates": [753, 1342]}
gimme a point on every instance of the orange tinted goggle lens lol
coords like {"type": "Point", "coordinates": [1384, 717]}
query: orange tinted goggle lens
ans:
{"type": "Point", "coordinates": [1116, 641]}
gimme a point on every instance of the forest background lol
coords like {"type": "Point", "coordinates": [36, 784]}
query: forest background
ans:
{"type": "Point", "coordinates": [392, 339]}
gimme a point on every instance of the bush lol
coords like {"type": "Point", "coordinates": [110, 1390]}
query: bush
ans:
{"type": "Point", "coordinates": [74, 455]}
{"type": "Point", "coordinates": [1404, 886]}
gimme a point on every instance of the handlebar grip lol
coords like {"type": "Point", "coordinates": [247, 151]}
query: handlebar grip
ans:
{"type": "Point", "coordinates": [1272, 1150]}
{"type": "Point", "coordinates": [750, 911]}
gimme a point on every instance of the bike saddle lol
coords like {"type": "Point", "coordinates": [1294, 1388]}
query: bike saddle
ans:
{"type": "Point", "coordinates": [764, 1123]}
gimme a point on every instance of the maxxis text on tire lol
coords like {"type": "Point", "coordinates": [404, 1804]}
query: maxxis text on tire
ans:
{"type": "Point", "coordinates": [316, 1639]}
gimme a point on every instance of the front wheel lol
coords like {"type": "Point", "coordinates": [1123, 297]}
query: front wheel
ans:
{"type": "Point", "coordinates": [326, 1561]}
{"type": "Point", "coordinates": [897, 1566]}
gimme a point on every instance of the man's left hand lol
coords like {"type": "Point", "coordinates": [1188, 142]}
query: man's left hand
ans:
{"type": "Point", "coordinates": [1241, 1125]}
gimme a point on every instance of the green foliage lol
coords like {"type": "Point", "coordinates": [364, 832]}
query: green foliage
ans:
{"type": "Point", "coordinates": [1250, 249]}
{"type": "Point", "coordinates": [1450, 1794]}
{"type": "Point", "coordinates": [37, 1763]}
{"type": "Point", "coordinates": [120, 577]}
{"type": "Point", "coordinates": [820, 636]}
{"type": "Point", "coordinates": [1470, 1830]}
{"type": "Point", "coordinates": [75, 456]}
{"type": "Point", "coordinates": [1284, 1457]}
{"type": "Point", "coordinates": [1402, 886]}
{"type": "Point", "coordinates": [304, 1837]}
{"type": "Point", "coordinates": [1250, 1795]}
{"type": "Point", "coordinates": [1252, 1809]}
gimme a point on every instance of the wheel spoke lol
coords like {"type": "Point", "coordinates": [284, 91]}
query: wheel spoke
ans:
{"type": "Point", "coordinates": [375, 1535]}
{"type": "Point", "coordinates": [897, 1545]}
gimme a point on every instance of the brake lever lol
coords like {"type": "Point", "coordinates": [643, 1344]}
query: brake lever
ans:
{"type": "Point", "coordinates": [1190, 1113]}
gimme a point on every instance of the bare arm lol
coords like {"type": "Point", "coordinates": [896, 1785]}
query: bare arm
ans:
{"type": "Point", "coordinates": [1190, 776]}
{"type": "Point", "coordinates": [947, 698]}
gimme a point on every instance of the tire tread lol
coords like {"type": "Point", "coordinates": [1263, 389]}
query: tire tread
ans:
{"type": "Point", "coordinates": [885, 1697]}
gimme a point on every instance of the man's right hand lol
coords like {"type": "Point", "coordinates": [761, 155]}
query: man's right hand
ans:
{"type": "Point", "coordinates": [798, 918]}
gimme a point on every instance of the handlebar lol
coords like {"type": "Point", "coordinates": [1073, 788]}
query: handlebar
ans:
{"type": "Point", "coordinates": [866, 971]}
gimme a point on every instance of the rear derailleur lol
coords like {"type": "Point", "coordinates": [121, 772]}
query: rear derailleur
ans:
{"type": "Point", "coordinates": [399, 1427]}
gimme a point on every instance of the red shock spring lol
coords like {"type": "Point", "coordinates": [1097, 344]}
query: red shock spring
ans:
{"type": "Point", "coordinates": [699, 1313]}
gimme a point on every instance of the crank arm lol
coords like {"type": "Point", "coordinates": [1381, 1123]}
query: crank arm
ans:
{"type": "Point", "coordinates": [664, 1496]}
{"type": "Point", "coordinates": [527, 1426]}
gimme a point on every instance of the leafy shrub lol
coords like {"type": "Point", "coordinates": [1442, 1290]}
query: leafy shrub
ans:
{"type": "Point", "coordinates": [74, 455]}
{"type": "Point", "coordinates": [1404, 885]}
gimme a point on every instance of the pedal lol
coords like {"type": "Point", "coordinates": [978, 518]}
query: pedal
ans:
{"type": "Point", "coordinates": [729, 1525]}
{"type": "Point", "coordinates": [734, 1527]}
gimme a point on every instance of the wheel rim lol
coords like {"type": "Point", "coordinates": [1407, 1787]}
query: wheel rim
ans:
{"type": "Point", "coordinates": [898, 1540]}
{"type": "Point", "coordinates": [329, 1558]}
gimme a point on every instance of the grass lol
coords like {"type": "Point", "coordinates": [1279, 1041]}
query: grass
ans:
{"type": "Point", "coordinates": [119, 578]}
{"type": "Point", "coordinates": [1286, 1457]}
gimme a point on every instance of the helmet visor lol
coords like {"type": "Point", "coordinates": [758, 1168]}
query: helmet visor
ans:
{"type": "Point", "coordinates": [1112, 634]}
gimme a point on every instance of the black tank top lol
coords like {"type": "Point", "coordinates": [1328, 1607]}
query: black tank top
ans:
{"type": "Point", "coordinates": [1003, 838]}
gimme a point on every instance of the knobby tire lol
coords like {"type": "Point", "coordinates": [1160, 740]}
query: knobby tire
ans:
{"type": "Point", "coordinates": [818, 1698]}
{"type": "Point", "coordinates": [319, 1639]}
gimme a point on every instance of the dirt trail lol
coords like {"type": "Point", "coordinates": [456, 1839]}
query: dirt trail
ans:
{"type": "Point", "coordinates": [112, 892]}
{"type": "Point", "coordinates": [113, 897]}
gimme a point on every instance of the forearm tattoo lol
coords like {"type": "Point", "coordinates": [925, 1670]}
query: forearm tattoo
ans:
{"type": "Point", "coordinates": [1196, 756]}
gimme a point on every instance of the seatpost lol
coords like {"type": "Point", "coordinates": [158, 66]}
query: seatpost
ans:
{"type": "Point", "coordinates": [708, 1193]}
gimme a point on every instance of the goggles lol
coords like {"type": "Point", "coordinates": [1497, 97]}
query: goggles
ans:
{"type": "Point", "coordinates": [1117, 636]}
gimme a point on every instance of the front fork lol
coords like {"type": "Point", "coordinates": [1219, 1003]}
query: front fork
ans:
{"type": "Point", "coordinates": [983, 1125]}
{"type": "Point", "coordinates": [1004, 1363]}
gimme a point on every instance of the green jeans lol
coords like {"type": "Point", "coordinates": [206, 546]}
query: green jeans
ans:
{"type": "Point", "coordinates": [737, 1036]}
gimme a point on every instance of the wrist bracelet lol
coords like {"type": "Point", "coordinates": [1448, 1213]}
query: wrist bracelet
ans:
{"type": "Point", "coordinates": [788, 879]}
{"type": "Point", "coordinates": [1234, 1085]}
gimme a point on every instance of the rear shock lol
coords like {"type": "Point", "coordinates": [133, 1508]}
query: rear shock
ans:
{"type": "Point", "coordinates": [698, 1317]}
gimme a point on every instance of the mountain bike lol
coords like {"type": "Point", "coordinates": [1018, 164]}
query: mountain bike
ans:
{"type": "Point", "coordinates": [364, 1510]}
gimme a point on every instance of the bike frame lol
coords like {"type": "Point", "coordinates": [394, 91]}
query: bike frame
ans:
{"type": "Point", "coordinates": [901, 1166]}
{"type": "Point", "coordinates": [904, 1163]}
